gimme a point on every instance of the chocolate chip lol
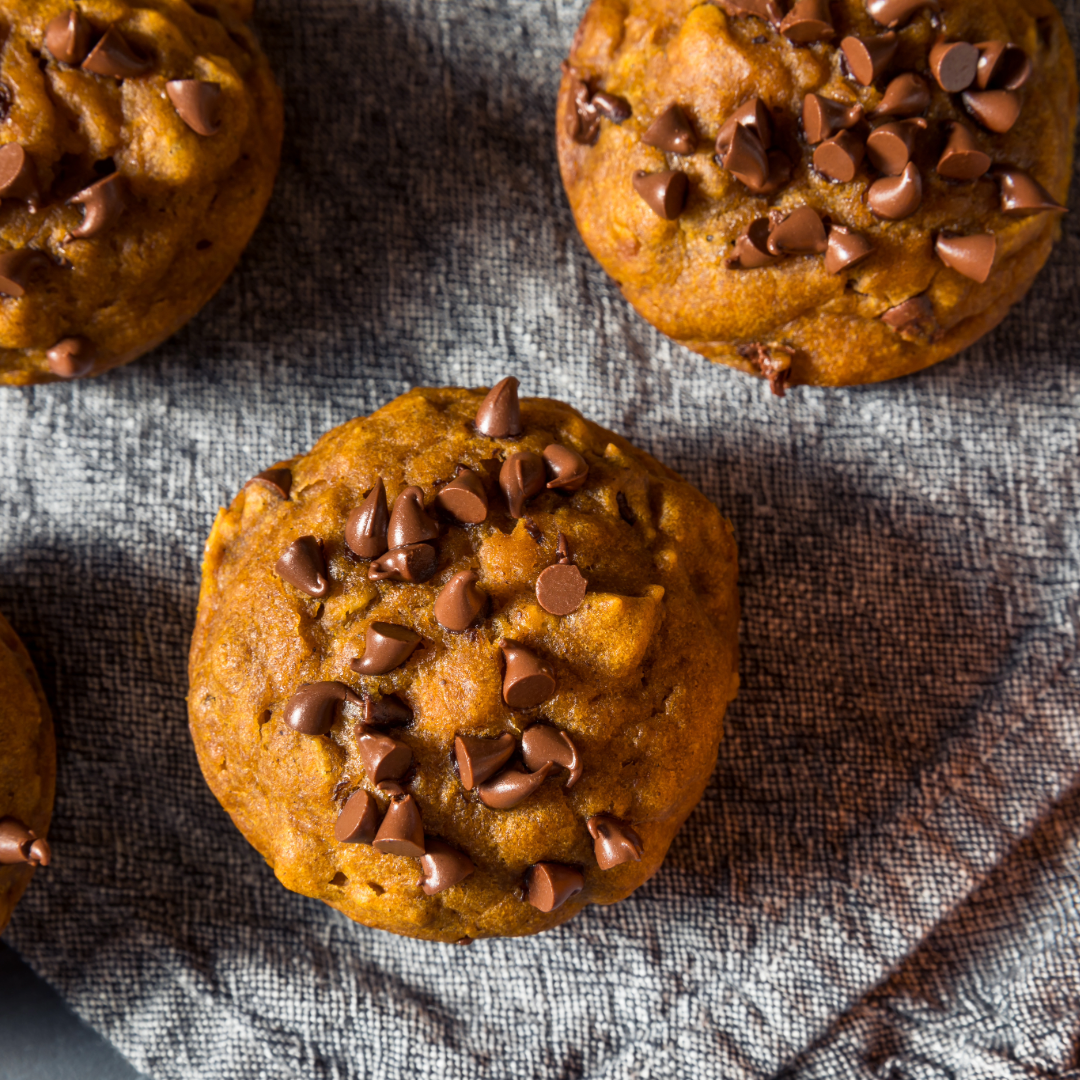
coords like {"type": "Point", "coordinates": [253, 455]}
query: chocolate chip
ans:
{"type": "Point", "coordinates": [549, 885]}
{"type": "Point", "coordinates": [388, 711]}
{"type": "Point", "coordinates": [896, 12]}
{"type": "Point", "coordinates": [512, 786]}
{"type": "Point", "coordinates": [103, 202]}
{"type": "Point", "coordinates": [906, 95]}
{"type": "Point", "coordinates": [477, 758]}
{"type": "Point", "coordinates": [533, 529]}
{"type": "Point", "coordinates": [625, 512]}
{"type": "Point", "coordinates": [567, 470]}
{"type": "Point", "coordinates": [954, 64]}
{"type": "Point", "coordinates": [312, 710]}
{"type": "Point", "coordinates": [972, 256]}
{"type": "Point", "coordinates": [896, 197]}
{"type": "Point", "coordinates": [415, 563]}
{"type": "Point", "coordinates": [409, 522]}
{"type": "Point", "coordinates": [614, 108]}
{"type": "Point", "coordinates": [752, 113]}
{"type": "Point", "coordinates": [114, 57]}
{"type": "Point", "coordinates": [197, 103]}
{"type": "Point", "coordinates": [443, 867]}
{"type": "Point", "coordinates": [529, 681]}
{"type": "Point", "coordinates": [18, 844]}
{"type": "Point", "coordinates": [614, 842]}
{"type": "Point", "coordinates": [746, 158]}
{"type": "Point", "coordinates": [499, 415]}
{"type": "Point", "coordinates": [890, 146]}
{"type": "Point", "coordinates": [996, 110]}
{"type": "Point", "coordinates": [769, 10]}
{"type": "Point", "coordinates": [583, 123]}
{"type": "Point", "coordinates": [914, 316]}
{"type": "Point", "coordinates": [772, 361]}
{"type": "Point", "coordinates": [521, 477]}
{"type": "Point", "coordinates": [459, 601]}
{"type": "Point", "coordinates": [365, 530]}
{"type": "Point", "coordinates": [386, 647]}
{"type": "Point", "coordinates": [402, 829]}
{"type": "Point", "coordinates": [542, 743]}
{"type": "Point", "coordinates": [383, 757]}
{"type": "Point", "coordinates": [560, 589]}
{"type": "Point", "coordinates": [16, 268]}
{"type": "Point", "coordinates": [358, 821]}
{"type": "Point", "coordinates": [807, 21]}
{"type": "Point", "coordinates": [279, 481]}
{"type": "Point", "coordinates": [839, 158]}
{"type": "Point", "coordinates": [562, 550]}
{"type": "Point", "coordinates": [664, 193]}
{"type": "Point", "coordinates": [1002, 66]}
{"type": "Point", "coordinates": [671, 132]}
{"type": "Point", "coordinates": [67, 37]}
{"type": "Point", "coordinates": [464, 498]}
{"type": "Point", "coordinates": [71, 358]}
{"type": "Point", "coordinates": [752, 248]}
{"type": "Point", "coordinates": [800, 233]}
{"type": "Point", "coordinates": [868, 57]}
{"type": "Point", "coordinates": [465, 941]}
{"type": "Point", "coordinates": [304, 566]}
{"type": "Point", "coordinates": [823, 117]}
{"type": "Point", "coordinates": [1021, 195]}
{"type": "Point", "coordinates": [18, 176]}
{"type": "Point", "coordinates": [846, 248]}
{"type": "Point", "coordinates": [962, 159]}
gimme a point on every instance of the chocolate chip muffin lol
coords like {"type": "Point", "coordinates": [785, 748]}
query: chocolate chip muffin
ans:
{"type": "Point", "coordinates": [139, 148]}
{"type": "Point", "coordinates": [27, 771]}
{"type": "Point", "coordinates": [842, 192]}
{"type": "Point", "coordinates": [462, 668]}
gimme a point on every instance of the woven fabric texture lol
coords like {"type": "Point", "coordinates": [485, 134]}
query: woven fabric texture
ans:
{"type": "Point", "coordinates": [883, 877]}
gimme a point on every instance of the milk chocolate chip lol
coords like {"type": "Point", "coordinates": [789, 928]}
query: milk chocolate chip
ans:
{"type": "Point", "coordinates": [16, 268]}
{"type": "Point", "coordinates": [906, 95]}
{"type": "Point", "coordinates": [477, 758]}
{"type": "Point", "coordinates": [459, 601]}
{"type": "Point", "coordinates": [67, 37]}
{"type": "Point", "coordinates": [312, 710]}
{"type": "Point", "coordinates": [611, 106]}
{"type": "Point", "coordinates": [846, 248]}
{"type": "Point", "coordinates": [996, 110]}
{"type": "Point", "coordinates": [800, 233]}
{"type": "Point", "coordinates": [279, 481]}
{"type": "Point", "coordinates": [304, 567]}
{"type": "Point", "coordinates": [549, 885]}
{"type": "Point", "coordinates": [915, 316]}
{"type": "Point", "coordinates": [1002, 66]}
{"type": "Point", "coordinates": [671, 132]}
{"type": "Point", "coordinates": [197, 104]}
{"type": "Point", "coordinates": [18, 176]}
{"type": "Point", "coordinates": [560, 588]}
{"type": "Point", "coordinates": [954, 64]}
{"type": "Point", "coordinates": [521, 477]}
{"type": "Point", "coordinates": [409, 522]}
{"type": "Point", "coordinates": [387, 646]}
{"type": "Point", "coordinates": [114, 57]}
{"type": "Point", "coordinates": [512, 786]}
{"type": "Point", "coordinates": [962, 159]}
{"type": "Point", "coordinates": [383, 757]}
{"type": "Point", "coordinates": [18, 844]}
{"type": "Point", "coordinates": [839, 158]}
{"type": "Point", "coordinates": [664, 192]}
{"type": "Point", "coordinates": [753, 114]}
{"type": "Point", "coordinates": [868, 57]}
{"type": "Point", "coordinates": [614, 842]}
{"type": "Point", "coordinates": [71, 358]}
{"type": "Point", "coordinates": [102, 202]}
{"type": "Point", "coordinates": [358, 821]}
{"type": "Point", "coordinates": [499, 415]}
{"type": "Point", "coordinates": [822, 117]}
{"type": "Point", "coordinates": [402, 829]}
{"type": "Point", "coordinates": [807, 21]}
{"type": "Point", "coordinates": [972, 256]}
{"type": "Point", "coordinates": [1021, 195]}
{"type": "Point", "coordinates": [528, 681]}
{"type": "Point", "coordinates": [896, 197]}
{"type": "Point", "coordinates": [746, 158]}
{"type": "Point", "coordinates": [897, 12]}
{"type": "Point", "coordinates": [464, 498]}
{"type": "Point", "coordinates": [389, 711]}
{"type": "Point", "coordinates": [752, 248]}
{"type": "Point", "coordinates": [567, 470]}
{"type": "Point", "coordinates": [890, 146]}
{"type": "Point", "coordinates": [443, 867]}
{"type": "Point", "coordinates": [542, 743]}
{"type": "Point", "coordinates": [365, 531]}
{"type": "Point", "coordinates": [415, 563]}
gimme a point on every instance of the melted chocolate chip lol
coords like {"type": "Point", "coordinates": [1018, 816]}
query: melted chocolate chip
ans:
{"type": "Point", "coordinates": [387, 646]}
{"type": "Point", "coordinates": [402, 829]}
{"type": "Point", "coordinates": [868, 57]}
{"type": "Point", "coordinates": [533, 529]}
{"type": "Point", "coordinates": [611, 106]}
{"type": "Point", "coordinates": [114, 57]}
{"type": "Point", "coordinates": [197, 103]}
{"type": "Point", "coordinates": [846, 248]}
{"type": "Point", "coordinates": [16, 267]}
{"type": "Point", "coordinates": [1021, 195]}
{"type": "Point", "coordinates": [71, 358]}
{"type": "Point", "coordinates": [365, 531]}
{"type": "Point", "coordinates": [415, 563]}
{"type": "Point", "coordinates": [543, 743]}
{"type": "Point", "coordinates": [459, 601]}
{"type": "Point", "coordinates": [560, 589]}
{"type": "Point", "coordinates": [279, 481]}
{"type": "Point", "coordinates": [443, 866]}
{"type": "Point", "coordinates": [464, 498]}
{"type": "Point", "coordinates": [478, 759]}
{"type": "Point", "coordinates": [972, 256]}
{"type": "Point", "coordinates": [890, 146]}
{"type": "Point", "coordinates": [67, 37]}
{"type": "Point", "coordinates": [897, 12]}
{"type": "Point", "coordinates": [802, 232]}
{"type": "Point", "coordinates": [839, 158]}
{"type": "Point", "coordinates": [512, 787]}
{"type": "Point", "coordinates": [665, 193]}
{"type": "Point", "coordinates": [102, 203]}
{"type": "Point", "coordinates": [549, 885]}
{"type": "Point", "coordinates": [358, 821]}
{"type": "Point", "coordinates": [772, 361]}
{"type": "Point", "coordinates": [906, 95]}
{"type": "Point", "coordinates": [768, 10]}
{"type": "Point", "coordinates": [996, 110]}
{"type": "Point", "coordinates": [409, 522]}
{"type": "Point", "coordinates": [528, 681]}
{"type": "Point", "coordinates": [1002, 66]}
{"type": "Point", "coordinates": [671, 132]}
{"type": "Point", "coordinates": [808, 21]}
{"type": "Point", "coordinates": [383, 757]}
{"type": "Point", "coordinates": [614, 842]}
{"type": "Point", "coordinates": [822, 117]}
{"type": "Point", "coordinates": [499, 415]}
{"type": "Point", "coordinates": [521, 477]}
{"type": "Point", "coordinates": [312, 710]}
{"type": "Point", "coordinates": [583, 124]}
{"type": "Point", "coordinates": [18, 844]}
{"type": "Point", "coordinates": [625, 512]}
{"type": "Point", "coordinates": [752, 113]}
{"type": "Point", "coordinates": [304, 566]}
{"type": "Point", "coordinates": [896, 197]}
{"type": "Point", "coordinates": [953, 64]}
{"type": "Point", "coordinates": [752, 248]}
{"type": "Point", "coordinates": [387, 711]}
{"type": "Point", "coordinates": [962, 159]}
{"type": "Point", "coordinates": [913, 317]}
{"type": "Point", "coordinates": [18, 176]}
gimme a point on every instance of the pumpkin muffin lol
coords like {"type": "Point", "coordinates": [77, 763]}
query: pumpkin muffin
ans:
{"type": "Point", "coordinates": [841, 192]}
{"type": "Point", "coordinates": [27, 771]}
{"type": "Point", "coordinates": [138, 149]}
{"type": "Point", "coordinates": [462, 668]}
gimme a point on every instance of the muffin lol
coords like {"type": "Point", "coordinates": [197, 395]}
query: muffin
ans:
{"type": "Point", "coordinates": [140, 146]}
{"type": "Point", "coordinates": [841, 193]}
{"type": "Point", "coordinates": [462, 668]}
{"type": "Point", "coordinates": [27, 771]}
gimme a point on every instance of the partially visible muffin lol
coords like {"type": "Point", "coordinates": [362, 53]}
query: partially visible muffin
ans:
{"type": "Point", "coordinates": [462, 668]}
{"type": "Point", "coordinates": [27, 771]}
{"type": "Point", "coordinates": [138, 149]}
{"type": "Point", "coordinates": [842, 193]}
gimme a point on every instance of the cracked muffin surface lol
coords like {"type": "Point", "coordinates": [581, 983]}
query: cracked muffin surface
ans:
{"type": "Point", "coordinates": [928, 169]}
{"type": "Point", "coordinates": [27, 771]}
{"type": "Point", "coordinates": [138, 149]}
{"type": "Point", "coordinates": [481, 738]}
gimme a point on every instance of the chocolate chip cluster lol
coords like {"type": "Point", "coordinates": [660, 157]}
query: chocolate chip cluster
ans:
{"type": "Point", "coordinates": [844, 143]}
{"type": "Point", "coordinates": [399, 544]}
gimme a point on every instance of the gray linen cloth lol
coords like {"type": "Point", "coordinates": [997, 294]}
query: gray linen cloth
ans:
{"type": "Point", "coordinates": [883, 877]}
